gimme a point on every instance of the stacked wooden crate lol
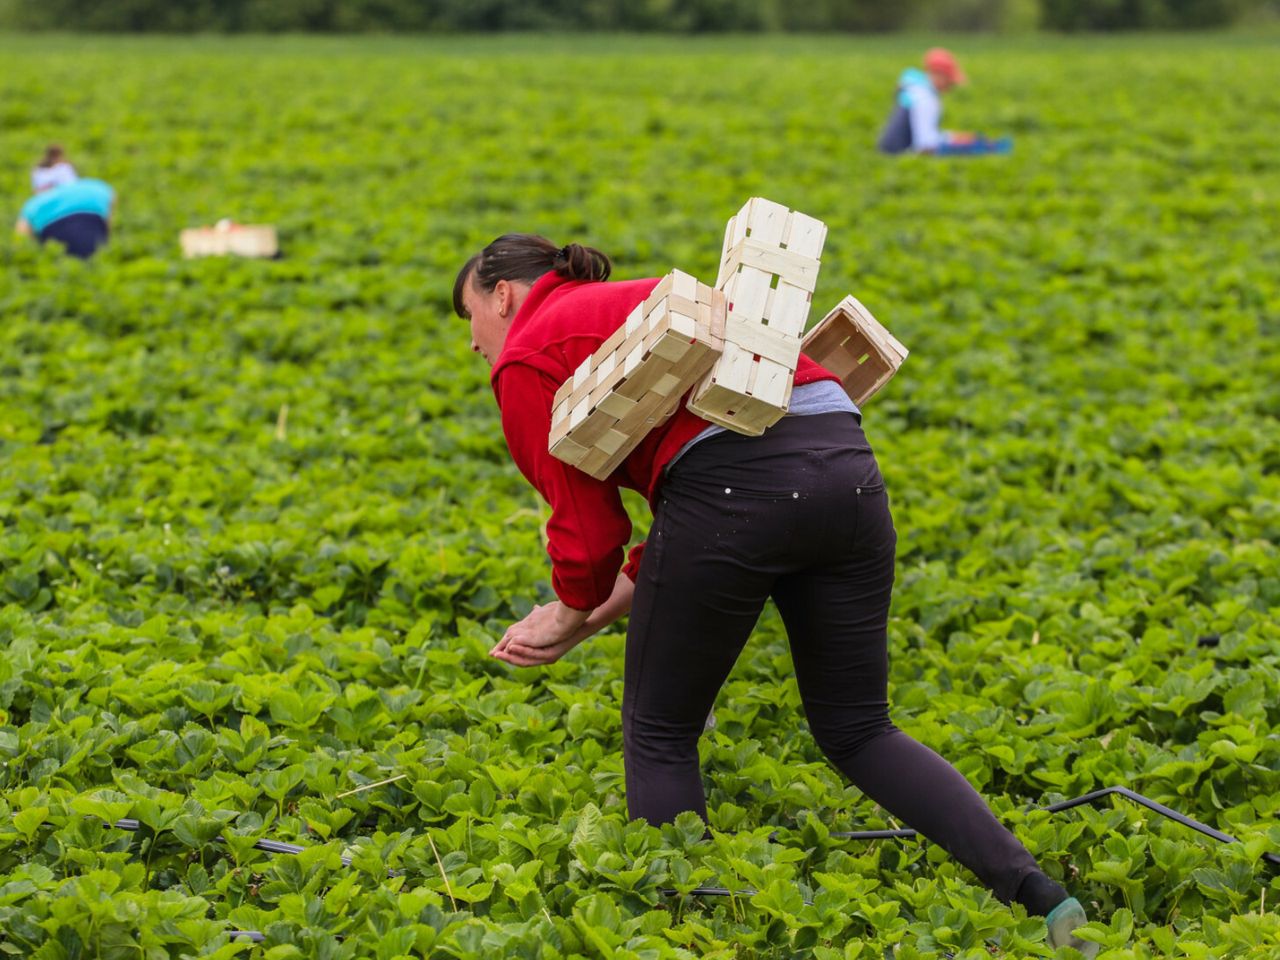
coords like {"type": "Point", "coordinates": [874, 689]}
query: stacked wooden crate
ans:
{"type": "Point", "coordinates": [768, 272]}
{"type": "Point", "coordinates": [230, 239]}
{"type": "Point", "coordinates": [636, 378]}
{"type": "Point", "coordinates": [853, 345]}
{"type": "Point", "coordinates": [734, 348]}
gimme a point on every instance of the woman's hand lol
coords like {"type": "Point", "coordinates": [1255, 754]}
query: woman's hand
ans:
{"type": "Point", "coordinates": [544, 636]}
{"type": "Point", "coordinates": [551, 631]}
{"type": "Point", "coordinates": [521, 656]}
{"type": "Point", "coordinates": [546, 626]}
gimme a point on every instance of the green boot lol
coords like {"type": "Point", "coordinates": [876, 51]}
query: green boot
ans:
{"type": "Point", "coordinates": [1064, 918]}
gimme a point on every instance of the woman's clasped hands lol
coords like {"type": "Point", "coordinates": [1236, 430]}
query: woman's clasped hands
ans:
{"type": "Point", "coordinates": [546, 634]}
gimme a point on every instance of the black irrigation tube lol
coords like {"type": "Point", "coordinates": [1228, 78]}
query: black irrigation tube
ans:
{"type": "Point", "coordinates": [277, 846]}
{"type": "Point", "coordinates": [269, 846]}
{"type": "Point", "coordinates": [1152, 805]}
{"type": "Point", "coordinates": [1160, 808]}
{"type": "Point", "coordinates": [710, 892]}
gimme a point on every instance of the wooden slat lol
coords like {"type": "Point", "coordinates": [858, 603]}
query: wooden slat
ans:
{"type": "Point", "coordinates": [805, 235]}
{"type": "Point", "coordinates": [569, 451]}
{"type": "Point", "coordinates": [616, 405]}
{"type": "Point", "coordinates": [799, 270]}
{"type": "Point", "coordinates": [767, 343]}
{"type": "Point", "coordinates": [789, 309]}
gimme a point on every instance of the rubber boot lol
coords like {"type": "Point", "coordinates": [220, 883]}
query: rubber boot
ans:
{"type": "Point", "coordinates": [1064, 918]}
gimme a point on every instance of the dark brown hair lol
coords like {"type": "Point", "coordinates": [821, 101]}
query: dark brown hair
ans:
{"type": "Point", "coordinates": [53, 155]}
{"type": "Point", "coordinates": [525, 257]}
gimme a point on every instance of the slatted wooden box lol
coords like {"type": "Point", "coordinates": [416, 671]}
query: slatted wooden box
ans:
{"type": "Point", "coordinates": [768, 272]}
{"type": "Point", "coordinates": [637, 377]}
{"type": "Point", "coordinates": [239, 240]}
{"type": "Point", "coordinates": [853, 345]}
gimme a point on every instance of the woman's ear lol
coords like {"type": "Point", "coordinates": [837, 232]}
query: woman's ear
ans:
{"type": "Point", "coordinates": [506, 297]}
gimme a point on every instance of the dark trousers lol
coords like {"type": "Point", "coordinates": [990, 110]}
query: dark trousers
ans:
{"type": "Point", "coordinates": [896, 135]}
{"type": "Point", "coordinates": [80, 233]}
{"type": "Point", "coordinates": [800, 515]}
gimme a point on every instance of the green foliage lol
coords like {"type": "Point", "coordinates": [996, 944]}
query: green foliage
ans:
{"type": "Point", "coordinates": [258, 526]}
{"type": "Point", "coordinates": [455, 15]}
{"type": "Point", "coordinates": [436, 16]}
{"type": "Point", "coordinates": [1141, 14]}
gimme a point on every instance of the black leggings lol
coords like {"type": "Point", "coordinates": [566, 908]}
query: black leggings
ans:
{"type": "Point", "coordinates": [801, 515]}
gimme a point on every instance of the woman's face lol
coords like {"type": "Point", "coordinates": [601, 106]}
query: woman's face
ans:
{"type": "Point", "coordinates": [942, 82]}
{"type": "Point", "coordinates": [490, 313]}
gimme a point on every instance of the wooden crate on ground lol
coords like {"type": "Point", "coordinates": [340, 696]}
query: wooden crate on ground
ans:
{"type": "Point", "coordinates": [230, 239]}
{"type": "Point", "coordinates": [636, 378]}
{"type": "Point", "coordinates": [768, 272]}
{"type": "Point", "coordinates": [853, 345]}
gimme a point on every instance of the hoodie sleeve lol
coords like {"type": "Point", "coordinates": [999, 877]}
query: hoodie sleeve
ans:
{"type": "Point", "coordinates": [589, 527]}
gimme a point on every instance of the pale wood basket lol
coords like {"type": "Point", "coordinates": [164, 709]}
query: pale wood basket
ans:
{"type": "Point", "coordinates": [635, 380]}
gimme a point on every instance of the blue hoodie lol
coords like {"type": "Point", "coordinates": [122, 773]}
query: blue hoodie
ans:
{"type": "Point", "coordinates": [85, 195]}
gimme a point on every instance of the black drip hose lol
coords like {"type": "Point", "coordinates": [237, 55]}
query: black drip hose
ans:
{"type": "Point", "coordinates": [277, 846]}
{"type": "Point", "coordinates": [1152, 805]}
{"type": "Point", "coordinates": [1160, 808]}
{"type": "Point", "coordinates": [269, 846]}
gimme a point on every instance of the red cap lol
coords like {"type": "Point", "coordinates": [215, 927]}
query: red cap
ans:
{"type": "Point", "coordinates": [942, 61]}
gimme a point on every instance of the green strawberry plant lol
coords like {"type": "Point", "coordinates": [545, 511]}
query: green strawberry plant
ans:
{"type": "Point", "coordinates": [259, 527]}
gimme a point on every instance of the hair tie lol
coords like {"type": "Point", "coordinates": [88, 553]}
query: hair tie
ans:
{"type": "Point", "coordinates": [563, 253]}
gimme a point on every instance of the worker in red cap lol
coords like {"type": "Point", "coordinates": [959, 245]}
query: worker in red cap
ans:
{"type": "Point", "coordinates": [914, 125]}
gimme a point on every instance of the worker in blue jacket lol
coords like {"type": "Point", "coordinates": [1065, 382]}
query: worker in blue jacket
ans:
{"type": "Point", "coordinates": [75, 211]}
{"type": "Point", "coordinates": [914, 126]}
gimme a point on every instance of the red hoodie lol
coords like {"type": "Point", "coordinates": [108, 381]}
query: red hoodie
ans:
{"type": "Point", "coordinates": [560, 324]}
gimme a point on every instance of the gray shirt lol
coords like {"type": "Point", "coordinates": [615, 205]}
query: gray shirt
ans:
{"type": "Point", "coordinates": [822, 396]}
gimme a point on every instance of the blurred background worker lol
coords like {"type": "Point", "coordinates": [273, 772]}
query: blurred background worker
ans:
{"type": "Point", "coordinates": [73, 210]}
{"type": "Point", "coordinates": [914, 124]}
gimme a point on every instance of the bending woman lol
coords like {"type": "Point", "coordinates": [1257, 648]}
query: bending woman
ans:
{"type": "Point", "coordinates": [71, 210]}
{"type": "Point", "coordinates": [799, 514]}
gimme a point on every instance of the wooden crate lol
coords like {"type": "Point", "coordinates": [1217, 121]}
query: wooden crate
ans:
{"type": "Point", "coordinates": [230, 239]}
{"type": "Point", "coordinates": [768, 272]}
{"type": "Point", "coordinates": [636, 378]}
{"type": "Point", "coordinates": [853, 345]}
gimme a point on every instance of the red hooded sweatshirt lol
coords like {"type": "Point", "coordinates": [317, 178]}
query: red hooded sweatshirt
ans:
{"type": "Point", "coordinates": [560, 324]}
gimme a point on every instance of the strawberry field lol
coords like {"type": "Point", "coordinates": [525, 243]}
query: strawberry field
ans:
{"type": "Point", "coordinates": [259, 527]}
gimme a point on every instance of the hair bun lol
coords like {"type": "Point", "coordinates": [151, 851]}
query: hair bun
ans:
{"type": "Point", "coordinates": [576, 262]}
{"type": "Point", "coordinates": [526, 257]}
